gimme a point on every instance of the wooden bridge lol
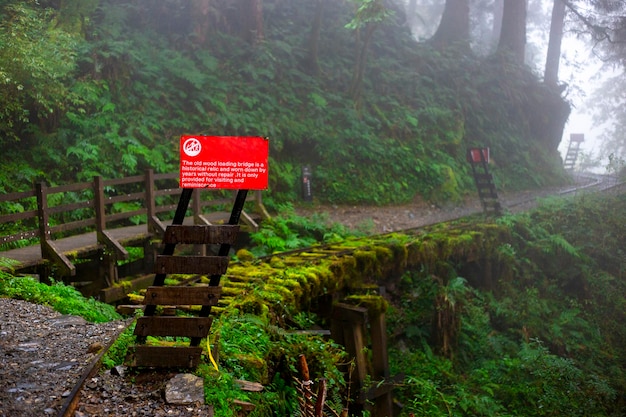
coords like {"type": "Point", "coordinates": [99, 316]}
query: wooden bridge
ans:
{"type": "Point", "coordinates": [83, 231]}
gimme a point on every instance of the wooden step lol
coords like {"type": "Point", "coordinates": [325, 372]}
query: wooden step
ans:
{"type": "Point", "coordinates": [164, 356]}
{"type": "Point", "coordinates": [202, 265]}
{"type": "Point", "coordinates": [203, 296]}
{"type": "Point", "coordinates": [173, 326]}
{"type": "Point", "coordinates": [200, 234]}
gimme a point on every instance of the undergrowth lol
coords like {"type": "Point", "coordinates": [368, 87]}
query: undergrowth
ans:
{"type": "Point", "coordinates": [62, 298]}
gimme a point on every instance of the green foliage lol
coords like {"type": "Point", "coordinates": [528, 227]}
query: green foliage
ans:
{"type": "Point", "coordinates": [37, 61]}
{"type": "Point", "coordinates": [288, 231]}
{"type": "Point", "coordinates": [116, 354]}
{"type": "Point", "coordinates": [64, 299]}
{"type": "Point", "coordinates": [110, 89]}
{"type": "Point", "coordinates": [546, 340]}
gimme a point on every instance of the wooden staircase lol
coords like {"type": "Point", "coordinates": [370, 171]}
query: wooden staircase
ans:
{"type": "Point", "coordinates": [479, 160]}
{"type": "Point", "coordinates": [572, 150]}
{"type": "Point", "coordinates": [194, 328]}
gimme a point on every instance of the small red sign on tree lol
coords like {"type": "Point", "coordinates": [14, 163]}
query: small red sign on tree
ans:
{"type": "Point", "coordinates": [224, 162]}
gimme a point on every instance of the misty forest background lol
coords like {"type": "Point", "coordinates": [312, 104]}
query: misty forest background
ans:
{"type": "Point", "coordinates": [106, 87]}
{"type": "Point", "coordinates": [519, 316]}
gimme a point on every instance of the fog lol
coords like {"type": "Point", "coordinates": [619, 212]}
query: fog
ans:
{"type": "Point", "coordinates": [580, 69]}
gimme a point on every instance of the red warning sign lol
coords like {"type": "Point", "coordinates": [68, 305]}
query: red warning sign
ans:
{"type": "Point", "coordinates": [224, 162]}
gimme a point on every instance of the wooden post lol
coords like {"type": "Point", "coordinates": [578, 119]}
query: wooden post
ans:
{"type": "Point", "coordinates": [42, 212]}
{"type": "Point", "coordinates": [349, 327]}
{"type": "Point", "coordinates": [383, 405]}
{"type": "Point", "coordinates": [196, 205]}
{"type": "Point", "coordinates": [113, 250]}
{"type": "Point", "coordinates": [48, 249]}
{"type": "Point", "coordinates": [154, 224]}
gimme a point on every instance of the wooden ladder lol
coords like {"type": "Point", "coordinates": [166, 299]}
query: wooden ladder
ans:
{"type": "Point", "coordinates": [569, 162]}
{"type": "Point", "coordinates": [194, 328]}
{"type": "Point", "coordinates": [479, 159]}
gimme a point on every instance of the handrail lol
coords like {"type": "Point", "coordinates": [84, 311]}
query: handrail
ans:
{"type": "Point", "coordinates": [103, 204]}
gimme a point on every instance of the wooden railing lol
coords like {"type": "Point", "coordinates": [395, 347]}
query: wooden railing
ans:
{"type": "Point", "coordinates": [48, 213]}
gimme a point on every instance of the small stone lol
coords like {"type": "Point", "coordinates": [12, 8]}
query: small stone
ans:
{"type": "Point", "coordinates": [118, 370]}
{"type": "Point", "coordinates": [95, 347]}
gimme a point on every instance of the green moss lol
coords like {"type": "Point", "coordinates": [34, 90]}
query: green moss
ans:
{"type": "Point", "coordinates": [375, 304]}
{"type": "Point", "coordinates": [245, 255]}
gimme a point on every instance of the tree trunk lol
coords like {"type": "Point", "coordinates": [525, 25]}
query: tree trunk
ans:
{"type": "Point", "coordinates": [200, 10]}
{"type": "Point", "coordinates": [254, 21]}
{"type": "Point", "coordinates": [361, 62]}
{"type": "Point", "coordinates": [513, 34]}
{"type": "Point", "coordinates": [312, 64]}
{"type": "Point", "coordinates": [551, 74]}
{"type": "Point", "coordinates": [498, 5]}
{"type": "Point", "coordinates": [454, 26]}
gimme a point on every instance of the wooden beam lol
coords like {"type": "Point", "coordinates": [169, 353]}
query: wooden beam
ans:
{"type": "Point", "coordinates": [173, 326]}
{"type": "Point", "coordinates": [206, 296]}
{"type": "Point", "coordinates": [51, 252]}
{"type": "Point", "coordinates": [201, 234]}
{"type": "Point", "coordinates": [107, 240]}
{"type": "Point", "coordinates": [164, 356]}
{"type": "Point", "coordinates": [202, 265]}
{"type": "Point", "coordinates": [112, 294]}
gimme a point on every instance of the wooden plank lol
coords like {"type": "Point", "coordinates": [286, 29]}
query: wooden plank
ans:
{"type": "Point", "coordinates": [125, 215]}
{"type": "Point", "coordinates": [201, 234]}
{"type": "Point", "coordinates": [79, 224]}
{"type": "Point", "coordinates": [29, 214]}
{"type": "Point", "coordinates": [203, 265]}
{"type": "Point", "coordinates": [105, 238]}
{"type": "Point", "coordinates": [173, 326]}
{"type": "Point", "coordinates": [112, 294]}
{"type": "Point", "coordinates": [80, 186]}
{"type": "Point", "coordinates": [50, 251]}
{"type": "Point", "coordinates": [64, 208]}
{"type": "Point", "coordinates": [205, 296]}
{"type": "Point", "coordinates": [17, 195]}
{"type": "Point", "coordinates": [20, 236]}
{"type": "Point", "coordinates": [350, 313]}
{"type": "Point", "coordinates": [164, 356]}
{"type": "Point", "coordinates": [125, 180]}
{"type": "Point", "coordinates": [125, 197]}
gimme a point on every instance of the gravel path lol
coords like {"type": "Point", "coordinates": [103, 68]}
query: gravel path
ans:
{"type": "Point", "coordinates": [42, 356]}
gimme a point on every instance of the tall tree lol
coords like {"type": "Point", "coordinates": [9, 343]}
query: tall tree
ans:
{"type": "Point", "coordinates": [454, 26]}
{"type": "Point", "coordinates": [312, 64]}
{"type": "Point", "coordinates": [252, 20]}
{"type": "Point", "coordinates": [513, 34]}
{"type": "Point", "coordinates": [200, 10]}
{"type": "Point", "coordinates": [369, 15]}
{"type": "Point", "coordinates": [551, 73]}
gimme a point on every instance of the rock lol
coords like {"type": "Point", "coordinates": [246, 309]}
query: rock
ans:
{"type": "Point", "coordinates": [95, 347]}
{"type": "Point", "coordinates": [185, 389]}
{"type": "Point", "coordinates": [119, 370]}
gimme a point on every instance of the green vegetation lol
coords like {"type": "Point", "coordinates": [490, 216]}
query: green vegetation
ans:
{"type": "Point", "coordinates": [287, 231]}
{"type": "Point", "coordinates": [521, 316]}
{"type": "Point", "coordinates": [535, 327]}
{"type": "Point", "coordinates": [62, 298]}
{"type": "Point", "coordinates": [107, 88]}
